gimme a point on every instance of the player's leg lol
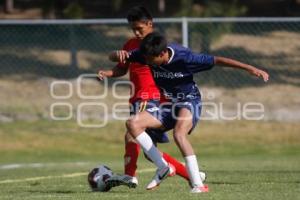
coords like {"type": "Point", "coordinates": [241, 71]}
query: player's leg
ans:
{"type": "Point", "coordinates": [132, 150]}
{"type": "Point", "coordinates": [182, 128]}
{"type": "Point", "coordinates": [172, 121]}
{"type": "Point", "coordinates": [131, 146]}
{"type": "Point", "coordinates": [136, 126]}
{"type": "Point", "coordinates": [180, 168]}
{"type": "Point", "coordinates": [160, 136]}
{"type": "Point", "coordinates": [129, 179]}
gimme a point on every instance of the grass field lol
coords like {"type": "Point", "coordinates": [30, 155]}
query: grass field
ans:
{"type": "Point", "coordinates": [243, 160]}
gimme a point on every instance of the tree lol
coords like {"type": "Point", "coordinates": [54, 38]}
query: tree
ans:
{"type": "Point", "coordinates": [212, 8]}
{"type": "Point", "coordinates": [9, 6]}
{"type": "Point", "coordinates": [161, 6]}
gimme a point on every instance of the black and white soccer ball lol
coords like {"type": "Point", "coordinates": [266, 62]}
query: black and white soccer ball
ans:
{"type": "Point", "coordinates": [97, 178]}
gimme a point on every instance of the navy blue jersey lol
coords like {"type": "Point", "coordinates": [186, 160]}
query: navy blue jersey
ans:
{"type": "Point", "coordinates": [176, 77]}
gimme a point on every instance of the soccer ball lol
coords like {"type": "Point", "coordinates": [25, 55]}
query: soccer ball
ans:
{"type": "Point", "coordinates": [97, 178]}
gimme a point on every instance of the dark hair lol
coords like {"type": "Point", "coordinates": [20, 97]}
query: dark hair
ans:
{"type": "Point", "coordinates": [138, 13]}
{"type": "Point", "coordinates": [153, 44]}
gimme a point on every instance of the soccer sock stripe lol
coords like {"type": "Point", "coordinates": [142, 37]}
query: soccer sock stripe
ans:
{"type": "Point", "coordinates": [152, 152]}
{"type": "Point", "coordinates": [140, 106]}
{"type": "Point", "coordinates": [193, 170]}
{"type": "Point", "coordinates": [143, 106]}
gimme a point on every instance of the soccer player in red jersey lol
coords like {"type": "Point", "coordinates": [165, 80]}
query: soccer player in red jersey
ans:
{"type": "Point", "coordinates": [145, 93]}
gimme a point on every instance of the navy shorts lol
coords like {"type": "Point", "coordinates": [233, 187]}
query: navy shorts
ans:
{"type": "Point", "coordinates": [157, 136]}
{"type": "Point", "coordinates": [167, 113]}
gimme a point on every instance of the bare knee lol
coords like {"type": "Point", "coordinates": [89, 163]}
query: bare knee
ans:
{"type": "Point", "coordinates": [132, 123]}
{"type": "Point", "coordinates": [134, 126]}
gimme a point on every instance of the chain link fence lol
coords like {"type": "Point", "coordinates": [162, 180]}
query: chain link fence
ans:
{"type": "Point", "coordinates": [66, 50]}
{"type": "Point", "coordinates": [62, 49]}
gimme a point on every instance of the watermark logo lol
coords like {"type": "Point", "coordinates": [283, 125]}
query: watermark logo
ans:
{"type": "Point", "coordinates": [63, 109]}
{"type": "Point", "coordinates": [95, 110]}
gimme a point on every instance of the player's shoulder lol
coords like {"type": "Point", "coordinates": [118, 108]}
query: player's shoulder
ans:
{"type": "Point", "coordinates": [177, 47]}
{"type": "Point", "coordinates": [132, 43]}
{"type": "Point", "coordinates": [178, 50]}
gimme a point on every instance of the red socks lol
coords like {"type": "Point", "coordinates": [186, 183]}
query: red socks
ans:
{"type": "Point", "coordinates": [132, 151]}
{"type": "Point", "coordinates": [180, 168]}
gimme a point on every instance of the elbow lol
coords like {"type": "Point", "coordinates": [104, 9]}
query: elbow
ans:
{"type": "Point", "coordinates": [222, 60]}
{"type": "Point", "coordinates": [218, 60]}
{"type": "Point", "coordinates": [112, 57]}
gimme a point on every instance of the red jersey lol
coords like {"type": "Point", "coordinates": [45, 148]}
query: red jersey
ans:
{"type": "Point", "coordinates": [140, 76]}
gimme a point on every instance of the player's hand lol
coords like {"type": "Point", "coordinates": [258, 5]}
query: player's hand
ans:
{"type": "Point", "coordinates": [122, 55]}
{"type": "Point", "coordinates": [101, 75]}
{"type": "Point", "coordinates": [260, 73]}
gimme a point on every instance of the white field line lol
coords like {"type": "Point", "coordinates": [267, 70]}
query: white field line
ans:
{"type": "Point", "coordinates": [72, 175]}
{"type": "Point", "coordinates": [42, 178]}
{"type": "Point", "coordinates": [40, 165]}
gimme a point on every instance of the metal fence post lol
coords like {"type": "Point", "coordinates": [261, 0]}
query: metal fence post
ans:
{"type": "Point", "coordinates": [73, 48]}
{"type": "Point", "coordinates": [185, 32]}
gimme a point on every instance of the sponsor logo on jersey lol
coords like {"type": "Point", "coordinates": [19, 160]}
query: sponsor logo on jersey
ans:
{"type": "Point", "coordinates": [169, 75]}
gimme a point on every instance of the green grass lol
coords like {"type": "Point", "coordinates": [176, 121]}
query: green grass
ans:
{"type": "Point", "coordinates": [243, 160]}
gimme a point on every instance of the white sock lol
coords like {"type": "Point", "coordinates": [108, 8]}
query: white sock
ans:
{"type": "Point", "coordinates": [193, 170]}
{"type": "Point", "coordinates": [152, 152]}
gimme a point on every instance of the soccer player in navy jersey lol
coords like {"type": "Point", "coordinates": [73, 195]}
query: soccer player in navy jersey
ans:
{"type": "Point", "coordinates": [172, 68]}
{"type": "Point", "coordinates": [143, 94]}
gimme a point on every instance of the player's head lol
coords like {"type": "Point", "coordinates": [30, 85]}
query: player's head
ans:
{"type": "Point", "coordinates": [140, 21]}
{"type": "Point", "coordinates": [154, 48]}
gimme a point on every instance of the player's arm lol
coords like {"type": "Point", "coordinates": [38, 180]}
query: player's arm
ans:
{"type": "Point", "coordinates": [117, 71]}
{"type": "Point", "coordinates": [227, 62]}
{"type": "Point", "coordinates": [125, 57]}
{"type": "Point", "coordinates": [119, 56]}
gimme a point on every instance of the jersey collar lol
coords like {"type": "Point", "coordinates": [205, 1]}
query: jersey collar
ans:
{"type": "Point", "coordinates": [173, 53]}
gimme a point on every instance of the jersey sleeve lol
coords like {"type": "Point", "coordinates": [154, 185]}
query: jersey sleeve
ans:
{"type": "Point", "coordinates": [198, 62]}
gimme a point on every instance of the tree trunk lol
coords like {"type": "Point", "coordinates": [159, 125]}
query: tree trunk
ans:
{"type": "Point", "coordinates": [9, 6]}
{"type": "Point", "coordinates": [161, 7]}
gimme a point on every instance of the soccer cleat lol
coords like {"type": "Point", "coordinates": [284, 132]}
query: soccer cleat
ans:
{"type": "Point", "coordinates": [126, 180]}
{"type": "Point", "coordinates": [160, 175]}
{"type": "Point", "coordinates": [198, 189]}
{"type": "Point", "coordinates": [202, 176]}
